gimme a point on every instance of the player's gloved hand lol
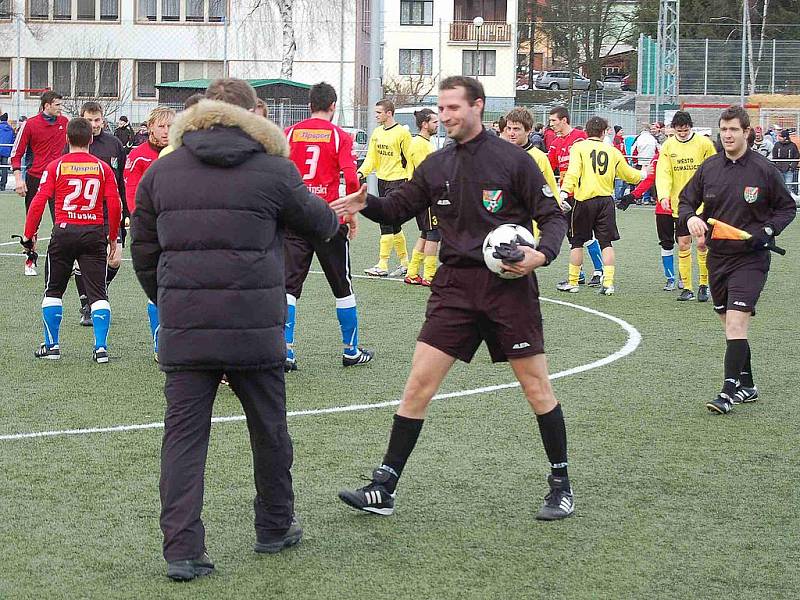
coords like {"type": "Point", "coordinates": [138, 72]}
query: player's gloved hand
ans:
{"type": "Point", "coordinates": [626, 201]}
{"type": "Point", "coordinates": [763, 238]}
{"type": "Point", "coordinates": [509, 252]}
{"type": "Point", "coordinates": [565, 204]}
{"type": "Point", "coordinates": [27, 244]}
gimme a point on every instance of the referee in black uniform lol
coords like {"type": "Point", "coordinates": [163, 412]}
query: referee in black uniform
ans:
{"type": "Point", "coordinates": [740, 188]}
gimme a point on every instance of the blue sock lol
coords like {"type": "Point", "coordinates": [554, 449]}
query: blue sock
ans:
{"type": "Point", "coordinates": [101, 321]}
{"type": "Point", "coordinates": [288, 330]}
{"type": "Point", "coordinates": [668, 260]}
{"type": "Point", "coordinates": [348, 322]}
{"type": "Point", "coordinates": [152, 315]}
{"type": "Point", "coordinates": [51, 317]}
{"type": "Point", "coordinates": [596, 255]}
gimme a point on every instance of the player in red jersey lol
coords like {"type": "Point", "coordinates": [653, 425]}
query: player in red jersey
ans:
{"type": "Point", "coordinates": [139, 160]}
{"type": "Point", "coordinates": [558, 152]}
{"type": "Point", "coordinates": [321, 151]}
{"type": "Point", "coordinates": [82, 186]}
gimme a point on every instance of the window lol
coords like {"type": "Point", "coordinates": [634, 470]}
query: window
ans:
{"type": "Point", "coordinates": [216, 11]}
{"type": "Point", "coordinates": [109, 10]}
{"type": "Point", "coordinates": [170, 71]}
{"type": "Point", "coordinates": [38, 9]}
{"type": "Point", "coordinates": [215, 70]}
{"type": "Point", "coordinates": [490, 10]}
{"type": "Point", "coordinates": [62, 10]}
{"type": "Point", "coordinates": [85, 82]}
{"type": "Point", "coordinates": [416, 12]}
{"type": "Point", "coordinates": [478, 62]}
{"type": "Point", "coordinates": [365, 16]}
{"type": "Point", "coordinates": [109, 78]}
{"type": "Point", "coordinates": [147, 10]}
{"type": "Point", "coordinates": [62, 77]}
{"type": "Point", "coordinates": [92, 78]}
{"type": "Point", "coordinates": [195, 10]}
{"type": "Point", "coordinates": [416, 62]}
{"type": "Point", "coordinates": [192, 70]}
{"type": "Point", "coordinates": [5, 10]}
{"type": "Point", "coordinates": [5, 76]}
{"type": "Point", "coordinates": [86, 10]}
{"type": "Point", "coordinates": [170, 10]}
{"type": "Point", "coordinates": [146, 79]}
{"type": "Point", "coordinates": [37, 74]}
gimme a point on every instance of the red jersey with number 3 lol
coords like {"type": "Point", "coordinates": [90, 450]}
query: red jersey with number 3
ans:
{"type": "Point", "coordinates": [321, 150]}
{"type": "Point", "coordinates": [80, 184]}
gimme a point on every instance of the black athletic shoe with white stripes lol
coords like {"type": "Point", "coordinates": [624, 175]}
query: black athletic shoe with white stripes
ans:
{"type": "Point", "coordinates": [359, 358]}
{"type": "Point", "coordinates": [51, 353]}
{"type": "Point", "coordinates": [559, 503]}
{"type": "Point", "coordinates": [373, 498]}
{"type": "Point", "coordinates": [745, 394]}
{"type": "Point", "coordinates": [721, 405]}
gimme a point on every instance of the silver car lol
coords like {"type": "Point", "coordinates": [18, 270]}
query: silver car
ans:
{"type": "Point", "coordinates": [559, 80]}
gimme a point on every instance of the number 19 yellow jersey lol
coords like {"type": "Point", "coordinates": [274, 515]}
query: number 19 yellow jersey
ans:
{"type": "Point", "coordinates": [593, 166]}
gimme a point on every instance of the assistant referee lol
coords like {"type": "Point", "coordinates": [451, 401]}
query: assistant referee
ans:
{"type": "Point", "coordinates": [744, 190]}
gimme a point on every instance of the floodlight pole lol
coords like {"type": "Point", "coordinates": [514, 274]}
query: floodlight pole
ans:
{"type": "Point", "coordinates": [478, 23]}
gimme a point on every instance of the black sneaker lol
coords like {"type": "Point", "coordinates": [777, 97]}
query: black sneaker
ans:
{"type": "Point", "coordinates": [685, 296]}
{"type": "Point", "coordinates": [745, 394]}
{"type": "Point", "coordinates": [582, 278]}
{"type": "Point", "coordinates": [362, 357]}
{"type": "Point", "coordinates": [291, 538]}
{"type": "Point", "coordinates": [702, 293]}
{"type": "Point", "coordinates": [51, 353]}
{"type": "Point", "coordinates": [186, 570]}
{"type": "Point", "coordinates": [559, 503]}
{"type": "Point", "coordinates": [721, 405]}
{"type": "Point", "coordinates": [596, 280]}
{"type": "Point", "coordinates": [373, 498]}
{"type": "Point", "coordinates": [290, 365]}
{"type": "Point", "coordinates": [100, 356]}
{"type": "Point", "coordinates": [86, 316]}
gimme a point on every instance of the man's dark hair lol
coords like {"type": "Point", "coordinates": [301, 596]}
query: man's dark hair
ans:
{"type": "Point", "coordinates": [48, 97]}
{"type": "Point", "coordinates": [386, 104]}
{"type": "Point", "coordinates": [681, 119]}
{"type": "Point", "coordinates": [502, 123]}
{"type": "Point", "coordinates": [91, 107]}
{"type": "Point", "coordinates": [596, 127]}
{"type": "Point", "coordinates": [192, 100]}
{"type": "Point", "coordinates": [233, 91]}
{"type": "Point", "coordinates": [735, 112]}
{"type": "Point", "coordinates": [521, 115]}
{"type": "Point", "coordinates": [79, 132]}
{"type": "Point", "coordinates": [321, 96]}
{"type": "Point", "coordinates": [124, 119]}
{"type": "Point", "coordinates": [473, 89]}
{"type": "Point", "coordinates": [538, 127]}
{"type": "Point", "coordinates": [560, 112]}
{"type": "Point", "coordinates": [422, 116]}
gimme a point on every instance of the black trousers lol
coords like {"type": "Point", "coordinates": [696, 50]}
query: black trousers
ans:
{"type": "Point", "coordinates": [187, 425]}
{"type": "Point", "coordinates": [32, 183]}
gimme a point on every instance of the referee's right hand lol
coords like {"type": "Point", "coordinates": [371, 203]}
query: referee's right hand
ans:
{"type": "Point", "coordinates": [697, 227]}
{"type": "Point", "coordinates": [20, 186]}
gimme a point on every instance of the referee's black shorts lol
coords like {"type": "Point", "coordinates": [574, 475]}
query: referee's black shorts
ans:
{"type": "Point", "coordinates": [85, 243]}
{"type": "Point", "coordinates": [384, 187]}
{"type": "Point", "coordinates": [736, 280]}
{"type": "Point", "coordinates": [333, 256]}
{"type": "Point", "coordinates": [594, 217]}
{"type": "Point", "coordinates": [428, 226]}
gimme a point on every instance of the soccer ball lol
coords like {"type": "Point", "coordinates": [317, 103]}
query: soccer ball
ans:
{"type": "Point", "coordinates": [503, 234]}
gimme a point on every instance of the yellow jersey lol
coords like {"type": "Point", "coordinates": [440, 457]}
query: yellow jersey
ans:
{"type": "Point", "coordinates": [387, 153]}
{"type": "Point", "coordinates": [418, 150]}
{"type": "Point", "coordinates": [677, 163]}
{"type": "Point", "coordinates": [543, 162]}
{"type": "Point", "coordinates": [593, 167]}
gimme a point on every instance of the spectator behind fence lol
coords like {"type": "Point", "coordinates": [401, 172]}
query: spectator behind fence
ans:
{"type": "Point", "coordinates": [141, 136]}
{"type": "Point", "coordinates": [786, 155]}
{"type": "Point", "coordinates": [762, 144]}
{"type": "Point", "coordinates": [124, 133]}
{"type": "Point", "coordinates": [220, 200]}
{"type": "Point", "coordinates": [7, 136]}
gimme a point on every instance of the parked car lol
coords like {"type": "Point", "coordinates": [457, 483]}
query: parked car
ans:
{"type": "Point", "coordinates": [405, 116]}
{"type": "Point", "coordinates": [613, 81]}
{"type": "Point", "coordinates": [627, 84]}
{"type": "Point", "coordinates": [559, 80]}
{"type": "Point", "coordinates": [360, 142]}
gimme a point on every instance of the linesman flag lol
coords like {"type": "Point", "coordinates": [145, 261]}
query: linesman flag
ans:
{"type": "Point", "coordinates": [723, 231]}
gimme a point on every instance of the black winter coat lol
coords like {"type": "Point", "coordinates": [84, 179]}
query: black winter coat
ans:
{"type": "Point", "coordinates": [208, 239]}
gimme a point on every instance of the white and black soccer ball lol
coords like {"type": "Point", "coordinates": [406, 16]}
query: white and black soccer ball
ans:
{"type": "Point", "coordinates": [503, 234]}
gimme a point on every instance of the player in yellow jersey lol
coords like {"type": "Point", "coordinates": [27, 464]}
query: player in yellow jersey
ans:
{"type": "Point", "coordinates": [387, 155]}
{"type": "Point", "coordinates": [593, 166]}
{"type": "Point", "coordinates": [680, 157]}
{"type": "Point", "coordinates": [427, 247]}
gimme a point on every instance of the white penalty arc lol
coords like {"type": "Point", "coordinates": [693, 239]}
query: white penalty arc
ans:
{"type": "Point", "coordinates": [633, 341]}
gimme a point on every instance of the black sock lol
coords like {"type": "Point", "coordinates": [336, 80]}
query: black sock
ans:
{"type": "Point", "coordinates": [402, 440]}
{"type": "Point", "coordinates": [554, 438]}
{"type": "Point", "coordinates": [111, 272]}
{"type": "Point", "coordinates": [746, 376]}
{"type": "Point", "coordinates": [735, 359]}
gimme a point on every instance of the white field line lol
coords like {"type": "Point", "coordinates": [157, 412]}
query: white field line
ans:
{"type": "Point", "coordinates": [633, 341]}
{"type": "Point", "coordinates": [16, 242]}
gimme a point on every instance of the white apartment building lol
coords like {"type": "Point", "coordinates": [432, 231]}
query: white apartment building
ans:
{"type": "Point", "coordinates": [118, 51]}
{"type": "Point", "coordinates": [426, 40]}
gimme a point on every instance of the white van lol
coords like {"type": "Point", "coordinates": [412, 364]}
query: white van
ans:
{"type": "Point", "coordinates": [405, 116]}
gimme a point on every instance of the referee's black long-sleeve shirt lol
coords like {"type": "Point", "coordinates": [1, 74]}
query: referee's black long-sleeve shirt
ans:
{"type": "Point", "coordinates": [473, 188]}
{"type": "Point", "coordinates": [747, 193]}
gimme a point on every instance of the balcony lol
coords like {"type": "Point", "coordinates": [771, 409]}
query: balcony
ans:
{"type": "Point", "coordinates": [492, 33]}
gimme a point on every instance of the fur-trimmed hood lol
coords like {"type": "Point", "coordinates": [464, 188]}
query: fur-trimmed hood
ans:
{"type": "Point", "coordinates": [215, 116]}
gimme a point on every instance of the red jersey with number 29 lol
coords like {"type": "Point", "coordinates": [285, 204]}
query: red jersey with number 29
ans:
{"type": "Point", "coordinates": [80, 184]}
{"type": "Point", "coordinates": [321, 150]}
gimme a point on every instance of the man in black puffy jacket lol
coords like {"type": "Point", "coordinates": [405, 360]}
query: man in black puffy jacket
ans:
{"type": "Point", "coordinates": [208, 250]}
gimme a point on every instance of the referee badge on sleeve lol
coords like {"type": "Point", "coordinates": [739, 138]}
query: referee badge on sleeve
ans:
{"type": "Point", "coordinates": [493, 200]}
{"type": "Point", "coordinates": [750, 194]}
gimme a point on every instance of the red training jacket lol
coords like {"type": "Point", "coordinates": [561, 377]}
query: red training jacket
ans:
{"type": "Point", "coordinates": [559, 150]}
{"type": "Point", "coordinates": [81, 184]}
{"type": "Point", "coordinates": [45, 139]}
{"type": "Point", "coordinates": [648, 183]}
{"type": "Point", "coordinates": [139, 160]}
